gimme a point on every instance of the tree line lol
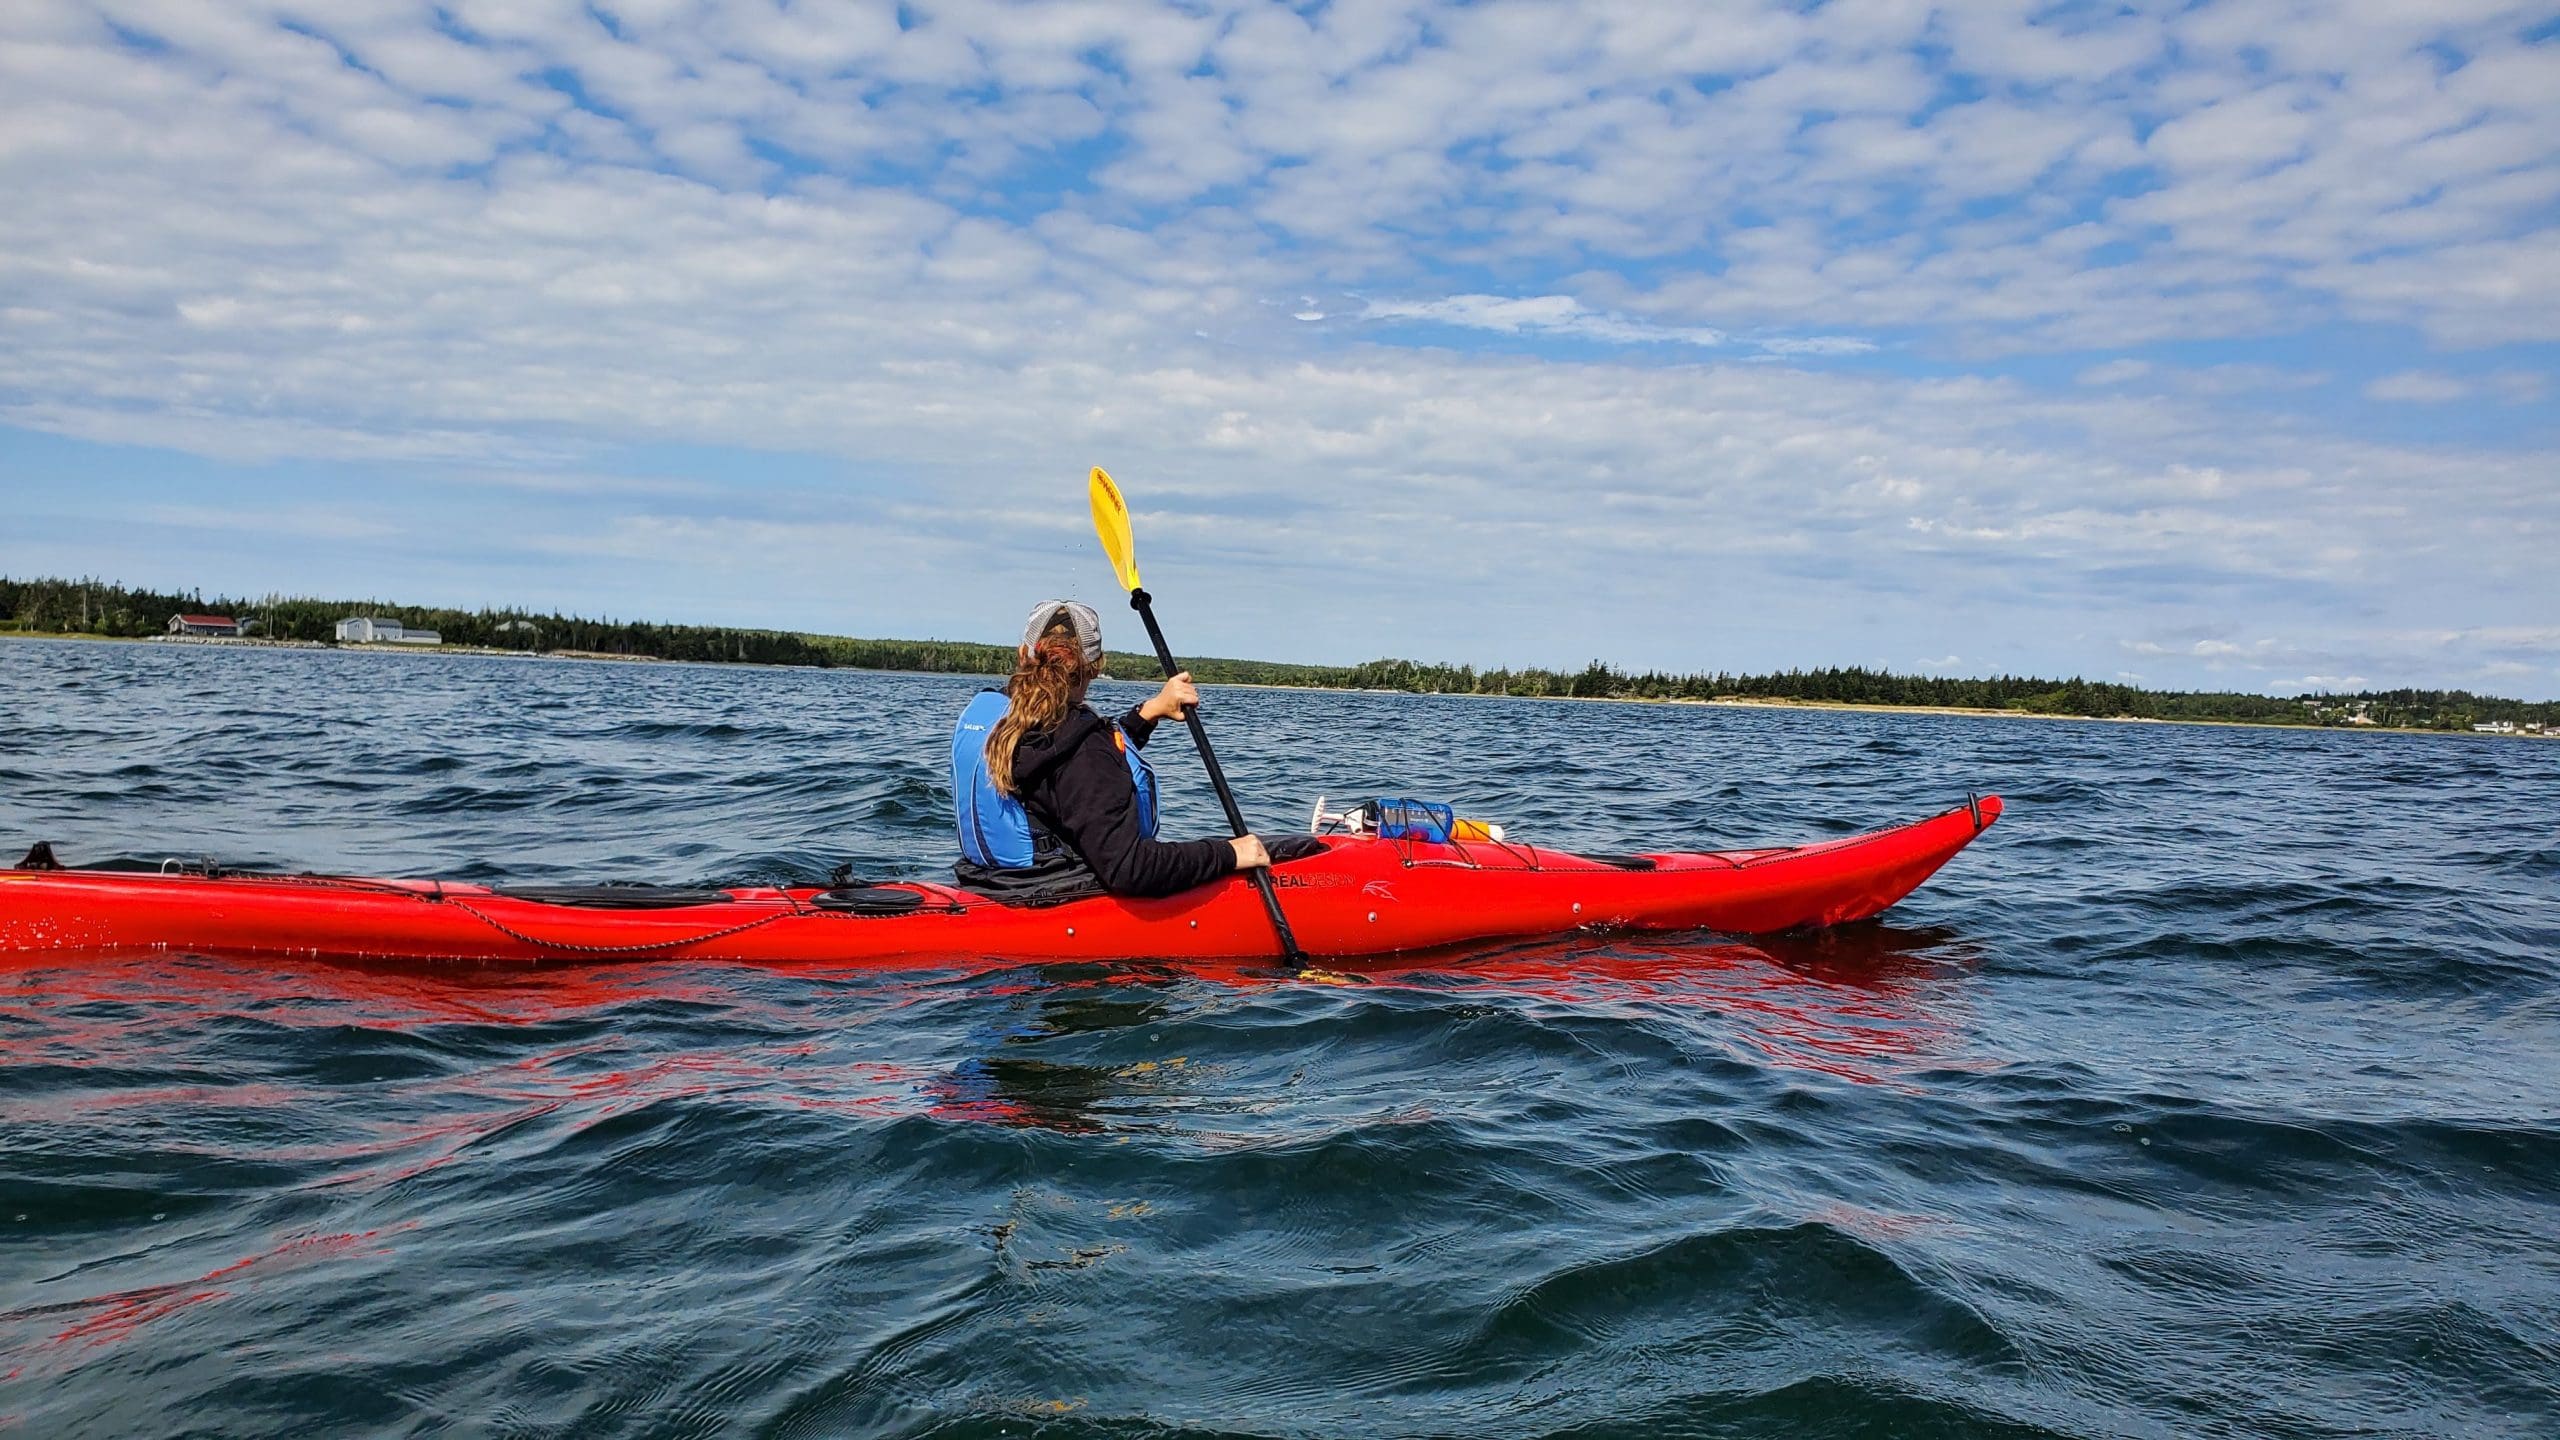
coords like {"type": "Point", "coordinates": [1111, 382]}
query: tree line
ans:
{"type": "Point", "coordinates": [93, 607]}
{"type": "Point", "coordinates": [1859, 685]}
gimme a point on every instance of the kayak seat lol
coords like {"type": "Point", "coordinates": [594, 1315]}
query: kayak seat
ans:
{"type": "Point", "coordinates": [40, 856]}
{"type": "Point", "coordinates": [1056, 880]}
{"type": "Point", "coordinates": [1622, 862]}
{"type": "Point", "coordinates": [869, 900]}
{"type": "Point", "coordinates": [613, 897]}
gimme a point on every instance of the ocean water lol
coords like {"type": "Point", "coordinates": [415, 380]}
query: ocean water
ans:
{"type": "Point", "coordinates": [2215, 1091]}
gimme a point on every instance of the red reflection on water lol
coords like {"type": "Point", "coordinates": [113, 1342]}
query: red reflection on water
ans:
{"type": "Point", "coordinates": [245, 1095]}
{"type": "Point", "coordinates": [1879, 1226]}
{"type": "Point", "coordinates": [1868, 1004]}
{"type": "Point", "coordinates": [385, 996]}
{"type": "Point", "coordinates": [1858, 1011]}
{"type": "Point", "coordinates": [1862, 1003]}
{"type": "Point", "coordinates": [96, 1321]}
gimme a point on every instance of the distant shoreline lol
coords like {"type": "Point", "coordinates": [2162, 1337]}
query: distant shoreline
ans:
{"type": "Point", "coordinates": [1746, 702]}
{"type": "Point", "coordinates": [1719, 702]}
{"type": "Point", "coordinates": [375, 647]}
{"type": "Point", "coordinates": [1985, 713]}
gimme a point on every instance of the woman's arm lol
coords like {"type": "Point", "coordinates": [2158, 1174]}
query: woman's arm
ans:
{"type": "Point", "coordinates": [1165, 704]}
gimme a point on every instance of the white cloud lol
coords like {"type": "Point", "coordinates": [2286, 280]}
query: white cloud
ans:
{"type": "Point", "coordinates": [2519, 387]}
{"type": "Point", "coordinates": [2274, 188]}
{"type": "Point", "coordinates": [1815, 345]}
{"type": "Point", "coordinates": [2239, 379]}
{"type": "Point", "coordinates": [1562, 315]}
{"type": "Point", "coordinates": [293, 524]}
{"type": "Point", "coordinates": [1541, 314]}
{"type": "Point", "coordinates": [2422, 387]}
{"type": "Point", "coordinates": [2115, 372]}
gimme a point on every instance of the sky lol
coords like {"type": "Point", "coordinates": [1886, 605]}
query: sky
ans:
{"type": "Point", "coordinates": [2210, 345]}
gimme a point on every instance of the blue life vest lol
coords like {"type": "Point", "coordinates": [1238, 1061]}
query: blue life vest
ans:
{"type": "Point", "coordinates": [995, 831]}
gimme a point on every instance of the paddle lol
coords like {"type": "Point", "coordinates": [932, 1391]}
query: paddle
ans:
{"type": "Point", "coordinates": [1111, 522]}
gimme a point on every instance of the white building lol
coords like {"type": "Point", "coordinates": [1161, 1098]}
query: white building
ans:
{"type": "Point", "coordinates": [365, 630]}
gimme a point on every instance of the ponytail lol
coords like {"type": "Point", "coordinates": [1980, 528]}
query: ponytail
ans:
{"type": "Point", "coordinates": [1048, 679]}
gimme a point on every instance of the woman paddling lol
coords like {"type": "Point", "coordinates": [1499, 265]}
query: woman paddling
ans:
{"type": "Point", "coordinates": [1053, 801]}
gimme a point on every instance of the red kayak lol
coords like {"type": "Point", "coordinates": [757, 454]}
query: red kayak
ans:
{"type": "Point", "coordinates": [1362, 896]}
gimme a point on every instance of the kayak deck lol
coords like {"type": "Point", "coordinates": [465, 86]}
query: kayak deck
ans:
{"type": "Point", "coordinates": [1360, 897]}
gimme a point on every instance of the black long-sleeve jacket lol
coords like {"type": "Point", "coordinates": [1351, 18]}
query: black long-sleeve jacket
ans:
{"type": "Point", "coordinates": [1075, 785]}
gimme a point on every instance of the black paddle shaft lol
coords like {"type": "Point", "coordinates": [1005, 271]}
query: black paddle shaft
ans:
{"type": "Point", "coordinates": [1144, 604]}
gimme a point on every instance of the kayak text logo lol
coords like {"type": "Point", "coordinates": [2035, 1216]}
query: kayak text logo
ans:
{"type": "Point", "coordinates": [1286, 881]}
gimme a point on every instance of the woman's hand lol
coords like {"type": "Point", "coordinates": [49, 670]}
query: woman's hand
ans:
{"type": "Point", "coordinates": [1249, 853]}
{"type": "Point", "coordinates": [1167, 703]}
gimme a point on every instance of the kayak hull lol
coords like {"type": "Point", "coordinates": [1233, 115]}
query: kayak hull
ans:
{"type": "Point", "coordinates": [1361, 897]}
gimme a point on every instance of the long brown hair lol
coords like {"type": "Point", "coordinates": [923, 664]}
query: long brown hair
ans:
{"type": "Point", "coordinates": [1048, 679]}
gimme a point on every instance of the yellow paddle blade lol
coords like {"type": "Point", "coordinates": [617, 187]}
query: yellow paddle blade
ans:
{"type": "Point", "coordinates": [1111, 522]}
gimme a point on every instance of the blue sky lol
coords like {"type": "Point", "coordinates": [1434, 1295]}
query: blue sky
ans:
{"type": "Point", "coordinates": [2212, 344]}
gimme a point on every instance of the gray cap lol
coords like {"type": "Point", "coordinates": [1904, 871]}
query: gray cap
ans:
{"type": "Point", "coordinates": [1088, 626]}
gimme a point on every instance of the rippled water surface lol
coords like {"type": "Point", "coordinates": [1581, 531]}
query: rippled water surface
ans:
{"type": "Point", "coordinates": [2215, 1091]}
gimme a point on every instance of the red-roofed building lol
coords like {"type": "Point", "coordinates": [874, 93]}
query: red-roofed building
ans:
{"type": "Point", "coordinates": [203, 625]}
